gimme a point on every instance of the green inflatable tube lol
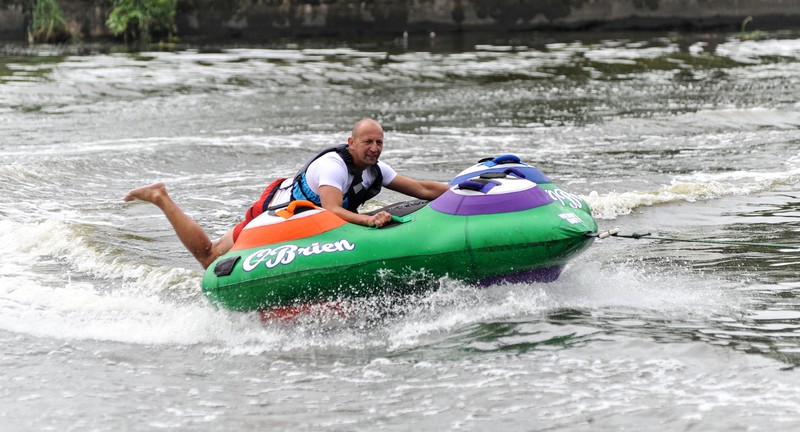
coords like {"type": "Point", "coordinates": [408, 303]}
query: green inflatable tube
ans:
{"type": "Point", "coordinates": [501, 221]}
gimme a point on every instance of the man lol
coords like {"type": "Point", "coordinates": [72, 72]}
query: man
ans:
{"type": "Point", "coordinates": [328, 180]}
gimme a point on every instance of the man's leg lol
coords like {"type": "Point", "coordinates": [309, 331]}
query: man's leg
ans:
{"type": "Point", "coordinates": [189, 232]}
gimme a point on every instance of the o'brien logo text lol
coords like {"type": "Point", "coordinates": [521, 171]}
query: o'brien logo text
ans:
{"type": "Point", "coordinates": [285, 254]}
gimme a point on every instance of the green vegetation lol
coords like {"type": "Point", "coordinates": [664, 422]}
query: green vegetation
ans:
{"type": "Point", "coordinates": [143, 20]}
{"type": "Point", "coordinates": [47, 23]}
{"type": "Point", "coordinates": [751, 35]}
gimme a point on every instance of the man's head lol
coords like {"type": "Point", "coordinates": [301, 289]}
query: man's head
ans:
{"type": "Point", "coordinates": [366, 143]}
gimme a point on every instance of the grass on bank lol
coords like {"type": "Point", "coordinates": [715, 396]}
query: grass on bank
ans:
{"type": "Point", "coordinates": [47, 23]}
{"type": "Point", "coordinates": [134, 20]}
{"type": "Point", "coordinates": [143, 20]}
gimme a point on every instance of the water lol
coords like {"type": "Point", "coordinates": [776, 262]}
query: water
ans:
{"type": "Point", "coordinates": [103, 326]}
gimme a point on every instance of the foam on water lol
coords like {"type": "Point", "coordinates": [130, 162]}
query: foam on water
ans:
{"type": "Point", "coordinates": [752, 51]}
{"type": "Point", "coordinates": [695, 187]}
{"type": "Point", "coordinates": [453, 311]}
{"type": "Point", "coordinates": [737, 119]}
{"type": "Point", "coordinates": [78, 292]}
{"type": "Point", "coordinates": [633, 286]}
{"type": "Point", "coordinates": [54, 283]}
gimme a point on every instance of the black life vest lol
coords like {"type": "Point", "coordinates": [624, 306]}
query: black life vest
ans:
{"type": "Point", "coordinates": [357, 194]}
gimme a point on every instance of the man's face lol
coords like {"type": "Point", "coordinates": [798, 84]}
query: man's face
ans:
{"type": "Point", "coordinates": [366, 144]}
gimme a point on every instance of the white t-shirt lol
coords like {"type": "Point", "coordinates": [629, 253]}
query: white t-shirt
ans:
{"type": "Point", "coordinates": [330, 170]}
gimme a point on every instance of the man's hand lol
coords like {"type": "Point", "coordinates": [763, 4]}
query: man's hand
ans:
{"type": "Point", "coordinates": [379, 219]}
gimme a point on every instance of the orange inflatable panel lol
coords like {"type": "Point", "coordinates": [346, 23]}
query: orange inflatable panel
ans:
{"type": "Point", "coordinates": [286, 225]}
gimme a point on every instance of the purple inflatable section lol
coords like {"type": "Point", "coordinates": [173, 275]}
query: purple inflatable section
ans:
{"type": "Point", "coordinates": [467, 205]}
{"type": "Point", "coordinates": [544, 274]}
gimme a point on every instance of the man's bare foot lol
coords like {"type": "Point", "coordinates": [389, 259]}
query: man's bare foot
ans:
{"type": "Point", "coordinates": [151, 193]}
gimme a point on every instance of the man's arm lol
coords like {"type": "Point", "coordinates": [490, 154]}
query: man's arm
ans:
{"type": "Point", "coordinates": [421, 189]}
{"type": "Point", "coordinates": [332, 200]}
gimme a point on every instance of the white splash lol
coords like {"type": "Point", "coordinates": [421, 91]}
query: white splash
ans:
{"type": "Point", "coordinates": [696, 187]}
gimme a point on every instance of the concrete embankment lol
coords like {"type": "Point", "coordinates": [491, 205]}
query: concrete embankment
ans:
{"type": "Point", "coordinates": [259, 19]}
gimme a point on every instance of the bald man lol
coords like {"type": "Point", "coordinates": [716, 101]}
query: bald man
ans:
{"type": "Point", "coordinates": [338, 179]}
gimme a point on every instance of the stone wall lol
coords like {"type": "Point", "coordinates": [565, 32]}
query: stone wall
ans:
{"type": "Point", "coordinates": [259, 19]}
{"type": "Point", "coordinates": [12, 20]}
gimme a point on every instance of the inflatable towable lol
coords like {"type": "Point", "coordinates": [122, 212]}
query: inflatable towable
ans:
{"type": "Point", "coordinates": [501, 221]}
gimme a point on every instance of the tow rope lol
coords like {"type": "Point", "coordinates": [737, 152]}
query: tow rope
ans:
{"type": "Point", "coordinates": [614, 232]}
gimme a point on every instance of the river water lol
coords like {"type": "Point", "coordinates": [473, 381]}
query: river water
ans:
{"type": "Point", "coordinates": [103, 326]}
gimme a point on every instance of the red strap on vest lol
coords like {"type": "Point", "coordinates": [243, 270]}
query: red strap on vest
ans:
{"type": "Point", "coordinates": [258, 207]}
